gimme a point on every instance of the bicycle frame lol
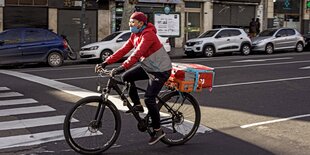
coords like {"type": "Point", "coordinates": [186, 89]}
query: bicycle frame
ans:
{"type": "Point", "coordinates": [113, 84]}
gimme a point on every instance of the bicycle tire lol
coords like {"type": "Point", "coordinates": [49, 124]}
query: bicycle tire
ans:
{"type": "Point", "coordinates": [186, 125]}
{"type": "Point", "coordinates": [72, 55]}
{"type": "Point", "coordinates": [80, 132]}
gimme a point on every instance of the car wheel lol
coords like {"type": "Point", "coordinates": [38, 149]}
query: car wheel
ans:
{"type": "Point", "coordinates": [105, 54]}
{"type": "Point", "coordinates": [299, 47]}
{"type": "Point", "coordinates": [208, 51]}
{"type": "Point", "coordinates": [55, 59]}
{"type": "Point", "coordinates": [269, 48]}
{"type": "Point", "coordinates": [245, 49]}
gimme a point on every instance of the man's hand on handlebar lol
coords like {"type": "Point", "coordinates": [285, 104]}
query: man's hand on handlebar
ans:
{"type": "Point", "coordinates": [100, 67]}
{"type": "Point", "coordinates": [117, 70]}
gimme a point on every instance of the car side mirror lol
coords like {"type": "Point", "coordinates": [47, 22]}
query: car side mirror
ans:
{"type": "Point", "coordinates": [119, 40]}
{"type": "Point", "coordinates": [218, 37]}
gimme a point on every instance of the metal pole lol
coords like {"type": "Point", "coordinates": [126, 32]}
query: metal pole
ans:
{"type": "Point", "coordinates": [83, 12]}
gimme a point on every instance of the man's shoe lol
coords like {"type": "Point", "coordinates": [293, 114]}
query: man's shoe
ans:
{"type": "Point", "coordinates": [157, 136]}
{"type": "Point", "coordinates": [137, 108]}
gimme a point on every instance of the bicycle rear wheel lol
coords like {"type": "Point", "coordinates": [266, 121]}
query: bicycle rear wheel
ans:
{"type": "Point", "coordinates": [84, 133]}
{"type": "Point", "coordinates": [180, 117]}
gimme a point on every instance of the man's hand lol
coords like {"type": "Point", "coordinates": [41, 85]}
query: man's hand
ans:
{"type": "Point", "coordinates": [100, 67]}
{"type": "Point", "coordinates": [117, 70]}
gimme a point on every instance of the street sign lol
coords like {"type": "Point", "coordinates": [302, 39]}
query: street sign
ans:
{"type": "Point", "coordinates": [308, 4]}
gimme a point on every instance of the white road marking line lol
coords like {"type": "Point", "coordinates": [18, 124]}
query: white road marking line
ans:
{"type": "Point", "coordinates": [307, 67]}
{"type": "Point", "coordinates": [274, 121]}
{"type": "Point", "coordinates": [266, 64]}
{"type": "Point", "coordinates": [10, 94]}
{"type": "Point", "coordinates": [73, 90]}
{"type": "Point", "coordinates": [17, 102]}
{"type": "Point", "coordinates": [263, 60]}
{"type": "Point", "coordinates": [39, 138]}
{"type": "Point", "coordinates": [258, 82]}
{"type": "Point", "coordinates": [27, 110]}
{"type": "Point", "coordinates": [4, 88]}
{"type": "Point", "coordinates": [34, 122]}
{"type": "Point", "coordinates": [76, 78]}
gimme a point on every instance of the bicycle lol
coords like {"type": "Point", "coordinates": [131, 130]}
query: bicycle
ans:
{"type": "Point", "coordinates": [93, 125]}
{"type": "Point", "coordinates": [72, 55]}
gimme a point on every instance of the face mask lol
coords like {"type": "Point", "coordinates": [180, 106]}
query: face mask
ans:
{"type": "Point", "coordinates": [134, 29]}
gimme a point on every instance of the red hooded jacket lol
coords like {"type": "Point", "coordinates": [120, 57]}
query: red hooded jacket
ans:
{"type": "Point", "coordinates": [145, 44]}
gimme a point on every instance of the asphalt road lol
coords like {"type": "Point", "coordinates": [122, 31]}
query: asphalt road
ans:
{"type": "Point", "coordinates": [259, 105]}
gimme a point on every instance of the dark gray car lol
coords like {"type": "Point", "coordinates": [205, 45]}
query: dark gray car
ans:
{"type": "Point", "coordinates": [271, 40]}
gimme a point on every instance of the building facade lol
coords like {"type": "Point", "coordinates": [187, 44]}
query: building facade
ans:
{"type": "Point", "coordinates": [178, 19]}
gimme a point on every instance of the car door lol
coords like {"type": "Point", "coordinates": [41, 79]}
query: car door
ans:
{"type": "Point", "coordinates": [222, 41]}
{"type": "Point", "coordinates": [235, 40]}
{"type": "Point", "coordinates": [280, 39]}
{"type": "Point", "coordinates": [34, 47]}
{"type": "Point", "coordinates": [10, 47]}
{"type": "Point", "coordinates": [291, 38]}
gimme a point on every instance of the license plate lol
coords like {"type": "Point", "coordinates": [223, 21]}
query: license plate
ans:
{"type": "Point", "coordinates": [188, 49]}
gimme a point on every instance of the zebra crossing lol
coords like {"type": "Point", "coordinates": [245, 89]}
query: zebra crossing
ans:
{"type": "Point", "coordinates": [9, 106]}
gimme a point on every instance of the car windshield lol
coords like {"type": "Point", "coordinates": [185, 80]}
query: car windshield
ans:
{"type": "Point", "coordinates": [208, 34]}
{"type": "Point", "coordinates": [111, 36]}
{"type": "Point", "coordinates": [266, 33]}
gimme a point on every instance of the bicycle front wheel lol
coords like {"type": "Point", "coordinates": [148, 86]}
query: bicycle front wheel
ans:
{"type": "Point", "coordinates": [92, 125]}
{"type": "Point", "coordinates": [180, 117]}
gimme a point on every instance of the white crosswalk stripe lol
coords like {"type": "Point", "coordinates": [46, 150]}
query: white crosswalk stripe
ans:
{"type": "Point", "coordinates": [8, 98]}
{"type": "Point", "coordinates": [4, 88]}
{"type": "Point", "coordinates": [28, 123]}
{"type": "Point", "coordinates": [10, 94]}
{"type": "Point", "coordinates": [17, 102]}
{"type": "Point", "coordinates": [39, 138]}
{"type": "Point", "coordinates": [27, 110]}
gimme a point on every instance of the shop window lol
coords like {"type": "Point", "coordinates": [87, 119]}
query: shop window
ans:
{"type": "Point", "coordinates": [26, 2]}
{"type": "Point", "coordinates": [192, 5]}
{"type": "Point", "coordinates": [11, 2]}
{"type": "Point", "coordinates": [40, 2]}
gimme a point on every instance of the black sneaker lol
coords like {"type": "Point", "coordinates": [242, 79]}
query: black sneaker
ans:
{"type": "Point", "coordinates": [137, 108]}
{"type": "Point", "coordinates": [157, 136]}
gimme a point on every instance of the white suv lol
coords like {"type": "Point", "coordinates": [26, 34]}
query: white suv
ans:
{"type": "Point", "coordinates": [110, 44]}
{"type": "Point", "coordinates": [218, 41]}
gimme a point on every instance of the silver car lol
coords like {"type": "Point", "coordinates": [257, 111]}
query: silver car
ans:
{"type": "Point", "coordinates": [219, 41]}
{"type": "Point", "coordinates": [271, 40]}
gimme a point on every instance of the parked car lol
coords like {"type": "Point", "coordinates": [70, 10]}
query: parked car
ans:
{"type": "Point", "coordinates": [219, 41]}
{"type": "Point", "coordinates": [32, 45]}
{"type": "Point", "coordinates": [110, 44]}
{"type": "Point", "coordinates": [274, 39]}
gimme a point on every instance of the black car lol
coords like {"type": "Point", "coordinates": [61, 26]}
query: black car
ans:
{"type": "Point", "coordinates": [32, 45]}
{"type": "Point", "coordinates": [307, 40]}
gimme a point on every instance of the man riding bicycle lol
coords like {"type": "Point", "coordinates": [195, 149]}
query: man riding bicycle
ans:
{"type": "Point", "coordinates": [155, 65]}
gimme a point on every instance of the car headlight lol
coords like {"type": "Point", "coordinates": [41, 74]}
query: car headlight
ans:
{"type": "Point", "coordinates": [199, 42]}
{"type": "Point", "coordinates": [93, 48]}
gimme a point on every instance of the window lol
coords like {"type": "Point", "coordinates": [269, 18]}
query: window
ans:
{"type": "Point", "coordinates": [223, 34]}
{"type": "Point", "coordinates": [192, 5]}
{"type": "Point", "coordinates": [290, 32]}
{"type": "Point", "coordinates": [235, 32]}
{"type": "Point", "coordinates": [51, 36]}
{"type": "Point", "coordinates": [27, 2]}
{"type": "Point", "coordinates": [10, 37]}
{"type": "Point", "coordinates": [34, 36]}
{"type": "Point", "coordinates": [125, 36]}
{"type": "Point", "coordinates": [281, 33]}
